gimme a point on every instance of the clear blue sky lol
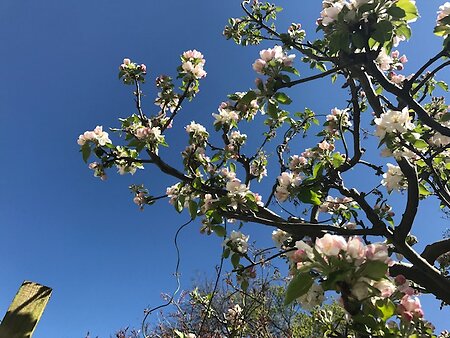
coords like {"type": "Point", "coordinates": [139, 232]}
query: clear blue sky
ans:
{"type": "Point", "coordinates": [105, 260]}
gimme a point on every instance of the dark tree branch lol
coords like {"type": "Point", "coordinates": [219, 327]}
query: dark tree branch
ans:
{"type": "Point", "coordinates": [367, 85]}
{"type": "Point", "coordinates": [429, 76]}
{"type": "Point", "coordinates": [410, 172]}
{"type": "Point", "coordinates": [433, 251]}
{"type": "Point", "coordinates": [431, 280]}
{"type": "Point", "coordinates": [408, 83]}
{"type": "Point", "coordinates": [308, 79]}
{"type": "Point", "coordinates": [405, 97]}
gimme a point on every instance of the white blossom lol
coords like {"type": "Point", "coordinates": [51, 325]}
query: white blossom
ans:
{"type": "Point", "coordinates": [393, 178]}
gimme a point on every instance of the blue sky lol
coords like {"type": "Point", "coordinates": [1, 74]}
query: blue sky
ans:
{"type": "Point", "coordinates": [106, 260]}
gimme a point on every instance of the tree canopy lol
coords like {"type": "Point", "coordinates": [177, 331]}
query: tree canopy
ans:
{"type": "Point", "coordinates": [342, 235]}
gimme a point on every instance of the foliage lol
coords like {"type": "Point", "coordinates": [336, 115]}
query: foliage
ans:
{"type": "Point", "coordinates": [351, 240]}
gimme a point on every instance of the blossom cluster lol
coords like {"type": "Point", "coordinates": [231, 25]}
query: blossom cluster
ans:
{"type": "Point", "coordinates": [237, 242]}
{"type": "Point", "coordinates": [192, 64]}
{"type": "Point", "coordinates": [337, 120]}
{"type": "Point", "coordinates": [366, 272]}
{"type": "Point", "coordinates": [336, 205]}
{"type": "Point", "coordinates": [393, 122]}
{"type": "Point", "coordinates": [227, 116]}
{"type": "Point", "coordinates": [166, 99]}
{"type": "Point", "coordinates": [239, 194]}
{"type": "Point", "coordinates": [442, 21]}
{"type": "Point", "coordinates": [97, 136]}
{"type": "Point", "coordinates": [287, 182]}
{"type": "Point", "coordinates": [394, 179]}
{"type": "Point", "coordinates": [131, 72]}
{"type": "Point", "coordinates": [234, 316]}
{"type": "Point", "coordinates": [272, 61]}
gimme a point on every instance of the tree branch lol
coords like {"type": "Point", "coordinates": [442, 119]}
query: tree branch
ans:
{"type": "Point", "coordinates": [404, 96]}
{"type": "Point", "coordinates": [433, 251]}
{"type": "Point", "coordinates": [410, 172]}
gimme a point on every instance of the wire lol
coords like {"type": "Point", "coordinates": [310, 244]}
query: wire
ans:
{"type": "Point", "coordinates": [177, 276]}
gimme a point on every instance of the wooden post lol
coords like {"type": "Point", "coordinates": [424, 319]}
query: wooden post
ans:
{"type": "Point", "coordinates": [25, 311]}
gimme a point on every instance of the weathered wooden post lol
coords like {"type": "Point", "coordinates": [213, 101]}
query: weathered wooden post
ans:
{"type": "Point", "coordinates": [25, 311]}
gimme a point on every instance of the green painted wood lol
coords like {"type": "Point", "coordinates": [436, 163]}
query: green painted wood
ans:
{"type": "Point", "coordinates": [25, 311]}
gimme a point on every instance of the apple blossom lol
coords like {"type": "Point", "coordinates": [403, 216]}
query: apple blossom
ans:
{"type": "Point", "coordinates": [330, 12]}
{"type": "Point", "coordinates": [444, 11]}
{"type": "Point", "coordinates": [356, 249]}
{"type": "Point", "coordinates": [393, 122]}
{"type": "Point", "coordinates": [410, 308]}
{"type": "Point", "coordinates": [97, 135]}
{"type": "Point", "coordinates": [330, 245]}
{"type": "Point", "coordinates": [279, 237]}
{"type": "Point", "coordinates": [314, 297]}
{"type": "Point", "coordinates": [385, 287]}
{"type": "Point", "coordinates": [377, 252]}
{"type": "Point", "coordinates": [237, 241]}
{"type": "Point", "coordinates": [393, 179]}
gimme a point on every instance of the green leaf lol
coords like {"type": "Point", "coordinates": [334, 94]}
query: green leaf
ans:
{"type": "Point", "coordinates": [383, 31]}
{"type": "Point", "coordinates": [373, 269]}
{"type": "Point", "coordinates": [282, 98]}
{"type": "Point", "coordinates": [272, 110]}
{"type": "Point", "coordinates": [86, 152]}
{"type": "Point", "coordinates": [337, 160]}
{"type": "Point", "coordinates": [235, 258]}
{"type": "Point", "coordinates": [197, 183]}
{"type": "Point", "coordinates": [298, 286]}
{"type": "Point", "coordinates": [403, 30]}
{"type": "Point", "coordinates": [423, 190]}
{"type": "Point", "coordinates": [219, 230]}
{"type": "Point", "coordinates": [441, 30]}
{"type": "Point", "coordinates": [216, 157]}
{"type": "Point", "coordinates": [244, 285]}
{"type": "Point", "coordinates": [193, 207]}
{"type": "Point", "coordinates": [367, 7]}
{"type": "Point", "coordinates": [410, 9]}
{"type": "Point", "coordinates": [386, 307]}
{"type": "Point", "coordinates": [333, 278]}
{"type": "Point", "coordinates": [338, 41]}
{"type": "Point", "coordinates": [396, 12]}
{"type": "Point", "coordinates": [226, 252]}
{"type": "Point", "coordinates": [179, 205]}
{"type": "Point", "coordinates": [443, 85]}
{"type": "Point", "coordinates": [420, 144]}
{"type": "Point", "coordinates": [318, 170]}
{"type": "Point", "coordinates": [232, 167]}
{"type": "Point", "coordinates": [247, 98]}
{"type": "Point", "coordinates": [309, 196]}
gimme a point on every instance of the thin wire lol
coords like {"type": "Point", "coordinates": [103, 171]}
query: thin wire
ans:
{"type": "Point", "coordinates": [219, 272]}
{"type": "Point", "coordinates": [177, 276]}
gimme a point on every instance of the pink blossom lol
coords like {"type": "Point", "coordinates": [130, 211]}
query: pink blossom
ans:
{"type": "Point", "coordinates": [377, 252]}
{"type": "Point", "coordinates": [259, 65]}
{"type": "Point", "coordinates": [330, 245]}
{"type": "Point", "coordinates": [143, 68]}
{"type": "Point", "coordinates": [324, 145]}
{"type": "Point", "coordinates": [385, 287]}
{"type": "Point", "coordinates": [355, 248]}
{"type": "Point", "coordinates": [410, 307]}
{"type": "Point", "coordinates": [400, 279]}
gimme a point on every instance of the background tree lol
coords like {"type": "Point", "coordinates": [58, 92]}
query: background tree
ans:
{"type": "Point", "coordinates": [345, 239]}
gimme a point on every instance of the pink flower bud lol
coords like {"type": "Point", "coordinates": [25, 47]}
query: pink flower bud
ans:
{"type": "Point", "coordinates": [400, 280]}
{"type": "Point", "coordinates": [395, 54]}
